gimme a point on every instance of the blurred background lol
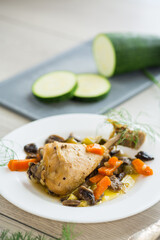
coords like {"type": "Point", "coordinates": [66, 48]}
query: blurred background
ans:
{"type": "Point", "coordinates": [34, 30]}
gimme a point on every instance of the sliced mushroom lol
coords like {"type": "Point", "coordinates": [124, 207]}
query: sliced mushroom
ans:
{"type": "Point", "coordinates": [87, 195]}
{"type": "Point", "coordinates": [126, 160]}
{"type": "Point", "coordinates": [114, 152]}
{"type": "Point", "coordinates": [41, 151]}
{"type": "Point", "coordinates": [53, 138]}
{"type": "Point", "coordinates": [121, 175]}
{"type": "Point", "coordinates": [34, 171]}
{"type": "Point", "coordinates": [31, 156]}
{"type": "Point", "coordinates": [72, 136]}
{"type": "Point", "coordinates": [71, 203]}
{"type": "Point", "coordinates": [144, 156]}
{"type": "Point", "coordinates": [30, 148]}
{"type": "Point", "coordinates": [116, 185]}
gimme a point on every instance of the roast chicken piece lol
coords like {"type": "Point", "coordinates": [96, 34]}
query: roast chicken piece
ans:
{"type": "Point", "coordinates": [66, 166]}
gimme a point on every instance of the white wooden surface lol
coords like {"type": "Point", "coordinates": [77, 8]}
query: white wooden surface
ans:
{"type": "Point", "coordinates": [34, 30]}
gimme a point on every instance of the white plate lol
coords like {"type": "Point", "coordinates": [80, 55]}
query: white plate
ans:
{"type": "Point", "coordinates": [17, 188]}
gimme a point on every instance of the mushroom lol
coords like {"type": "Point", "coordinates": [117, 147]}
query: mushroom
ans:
{"type": "Point", "coordinates": [144, 156]}
{"type": "Point", "coordinates": [71, 203]}
{"type": "Point", "coordinates": [86, 194]}
{"type": "Point", "coordinates": [53, 138]}
{"type": "Point", "coordinates": [30, 148]}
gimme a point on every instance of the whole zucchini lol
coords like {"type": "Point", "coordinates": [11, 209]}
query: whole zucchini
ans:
{"type": "Point", "coordinates": [116, 53]}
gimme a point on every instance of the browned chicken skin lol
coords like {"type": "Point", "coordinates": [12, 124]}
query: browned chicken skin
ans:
{"type": "Point", "coordinates": [66, 166]}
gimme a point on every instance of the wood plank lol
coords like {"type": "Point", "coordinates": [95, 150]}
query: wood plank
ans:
{"type": "Point", "coordinates": [14, 226]}
{"type": "Point", "coordinates": [118, 230]}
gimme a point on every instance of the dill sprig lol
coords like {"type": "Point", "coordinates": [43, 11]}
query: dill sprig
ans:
{"type": "Point", "coordinates": [6, 235]}
{"type": "Point", "coordinates": [6, 152]}
{"type": "Point", "coordinates": [67, 234]}
{"type": "Point", "coordinates": [123, 117]}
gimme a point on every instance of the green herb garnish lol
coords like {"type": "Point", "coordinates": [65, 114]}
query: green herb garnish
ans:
{"type": "Point", "coordinates": [123, 117]}
{"type": "Point", "coordinates": [6, 152]}
{"type": "Point", "coordinates": [67, 234]}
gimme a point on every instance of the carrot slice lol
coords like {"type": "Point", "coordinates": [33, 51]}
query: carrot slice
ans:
{"type": "Point", "coordinates": [38, 157]}
{"type": "Point", "coordinates": [96, 178]}
{"type": "Point", "coordinates": [141, 167]}
{"type": "Point", "coordinates": [20, 165]}
{"type": "Point", "coordinates": [102, 185]}
{"type": "Point", "coordinates": [113, 160]}
{"type": "Point", "coordinates": [95, 148]}
{"type": "Point", "coordinates": [108, 171]}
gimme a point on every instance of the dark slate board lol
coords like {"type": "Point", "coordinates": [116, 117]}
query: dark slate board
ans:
{"type": "Point", "coordinates": [15, 93]}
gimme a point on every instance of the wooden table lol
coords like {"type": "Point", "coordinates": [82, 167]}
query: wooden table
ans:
{"type": "Point", "coordinates": [33, 31]}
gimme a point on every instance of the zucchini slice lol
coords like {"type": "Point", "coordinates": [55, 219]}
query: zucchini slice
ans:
{"type": "Point", "coordinates": [117, 53]}
{"type": "Point", "coordinates": [55, 86]}
{"type": "Point", "coordinates": [91, 87]}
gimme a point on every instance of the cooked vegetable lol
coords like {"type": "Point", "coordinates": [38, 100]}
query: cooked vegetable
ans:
{"type": "Point", "coordinates": [113, 161]}
{"type": "Point", "coordinates": [86, 194]}
{"type": "Point", "coordinates": [116, 185]}
{"type": "Point", "coordinates": [116, 53]}
{"type": "Point", "coordinates": [34, 171]}
{"type": "Point", "coordinates": [129, 169]}
{"type": "Point", "coordinates": [72, 136]}
{"type": "Point", "coordinates": [144, 156]}
{"type": "Point", "coordinates": [142, 168]}
{"type": "Point", "coordinates": [20, 165]}
{"type": "Point", "coordinates": [71, 203]}
{"type": "Point", "coordinates": [96, 178]}
{"type": "Point", "coordinates": [71, 140]}
{"type": "Point", "coordinates": [82, 172]}
{"type": "Point", "coordinates": [53, 138]}
{"type": "Point", "coordinates": [121, 175]}
{"type": "Point", "coordinates": [83, 203]}
{"type": "Point", "coordinates": [127, 137]}
{"type": "Point", "coordinates": [88, 140]}
{"type": "Point", "coordinates": [30, 148]}
{"type": "Point", "coordinates": [126, 160]}
{"type": "Point", "coordinates": [38, 157]}
{"type": "Point", "coordinates": [91, 87]}
{"type": "Point", "coordinates": [72, 197]}
{"type": "Point", "coordinates": [102, 185]}
{"type": "Point", "coordinates": [132, 139]}
{"type": "Point", "coordinates": [95, 148]}
{"type": "Point", "coordinates": [114, 152]}
{"type": "Point", "coordinates": [55, 86]}
{"type": "Point", "coordinates": [128, 182]}
{"type": "Point", "coordinates": [111, 167]}
{"type": "Point", "coordinates": [31, 155]}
